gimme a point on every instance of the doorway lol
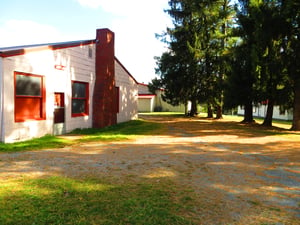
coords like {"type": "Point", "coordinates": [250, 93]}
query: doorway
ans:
{"type": "Point", "coordinates": [59, 113]}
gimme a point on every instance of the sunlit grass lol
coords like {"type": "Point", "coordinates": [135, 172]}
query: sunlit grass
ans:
{"type": "Point", "coordinates": [156, 198]}
{"type": "Point", "coordinates": [121, 131]}
{"type": "Point", "coordinates": [162, 113]}
{"type": "Point", "coordinates": [59, 200]}
{"type": "Point", "coordinates": [276, 123]}
{"type": "Point", "coordinates": [47, 141]}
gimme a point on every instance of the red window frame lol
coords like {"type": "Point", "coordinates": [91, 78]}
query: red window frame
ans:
{"type": "Point", "coordinates": [86, 99]}
{"type": "Point", "coordinates": [30, 107]}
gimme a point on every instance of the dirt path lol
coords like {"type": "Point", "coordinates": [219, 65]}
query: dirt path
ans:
{"type": "Point", "coordinates": [236, 176]}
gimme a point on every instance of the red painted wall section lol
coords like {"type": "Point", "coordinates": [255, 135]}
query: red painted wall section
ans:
{"type": "Point", "coordinates": [104, 96]}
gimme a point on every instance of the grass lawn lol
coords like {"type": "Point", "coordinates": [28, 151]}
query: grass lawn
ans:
{"type": "Point", "coordinates": [121, 131]}
{"type": "Point", "coordinates": [116, 132]}
{"type": "Point", "coordinates": [59, 200]}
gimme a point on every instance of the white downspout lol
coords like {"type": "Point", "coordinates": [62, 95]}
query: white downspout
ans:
{"type": "Point", "coordinates": [1, 101]}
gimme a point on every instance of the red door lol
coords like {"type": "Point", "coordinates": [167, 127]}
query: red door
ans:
{"type": "Point", "coordinates": [59, 110]}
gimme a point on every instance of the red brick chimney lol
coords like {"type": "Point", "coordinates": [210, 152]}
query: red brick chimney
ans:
{"type": "Point", "coordinates": [104, 99]}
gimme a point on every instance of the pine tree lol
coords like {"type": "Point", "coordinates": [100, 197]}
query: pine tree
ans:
{"type": "Point", "coordinates": [198, 48]}
{"type": "Point", "coordinates": [291, 13]}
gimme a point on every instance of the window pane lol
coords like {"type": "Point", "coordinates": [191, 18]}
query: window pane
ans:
{"type": "Point", "coordinates": [28, 108]}
{"type": "Point", "coordinates": [78, 106]}
{"type": "Point", "coordinates": [78, 90]}
{"type": "Point", "coordinates": [28, 85]}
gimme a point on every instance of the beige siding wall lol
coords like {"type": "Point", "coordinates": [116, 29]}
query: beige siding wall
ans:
{"type": "Point", "coordinates": [149, 105]}
{"type": "Point", "coordinates": [78, 66]}
{"type": "Point", "coordinates": [143, 89]}
{"type": "Point", "coordinates": [146, 104]}
{"type": "Point", "coordinates": [128, 94]}
{"type": "Point", "coordinates": [166, 107]}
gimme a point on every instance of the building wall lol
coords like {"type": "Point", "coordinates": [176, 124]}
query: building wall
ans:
{"type": "Point", "coordinates": [1, 98]}
{"type": "Point", "coordinates": [143, 89]}
{"type": "Point", "coordinates": [261, 110]}
{"type": "Point", "coordinates": [128, 94]}
{"type": "Point", "coordinates": [166, 107]}
{"type": "Point", "coordinates": [78, 66]}
{"type": "Point", "coordinates": [146, 104]}
{"type": "Point", "coordinates": [287, 115]}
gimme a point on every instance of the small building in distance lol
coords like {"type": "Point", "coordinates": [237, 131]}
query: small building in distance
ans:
{"type": "Point", "coordinates": [260, 111]}
{"type": "Point", "coordinates": [149, 102]}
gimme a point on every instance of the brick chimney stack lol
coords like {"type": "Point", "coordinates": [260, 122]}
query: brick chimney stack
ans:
{"type": "Point", "coordinates": [104, 110]}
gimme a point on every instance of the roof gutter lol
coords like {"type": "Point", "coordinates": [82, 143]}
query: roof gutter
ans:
{"type": "Point", "coordinates": [1, 102]}
{"type": "Point", "coordinates": [21, 50]}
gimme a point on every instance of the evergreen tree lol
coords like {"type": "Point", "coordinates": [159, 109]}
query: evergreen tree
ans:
{"type": "Point", "coordinates": [198, 49]}
{"type": "Point", "coordinates": [291, 14]}
{"type": "Point", "coordinates": [241, 85]}
{"type": "Point", "coordinates": [263, 30]}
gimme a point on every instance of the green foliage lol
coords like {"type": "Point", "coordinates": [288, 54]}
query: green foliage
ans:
{"type": "Point", "coordinates": [212, 50]}
{"type": "Point", "coordinates": [200, 41]}
{"type": "Point", "coordinates": [58, 200]}
{"type": "Point", "coordinates": [265, 30]}
{"type": "Point", "coordinates": [154, 85]}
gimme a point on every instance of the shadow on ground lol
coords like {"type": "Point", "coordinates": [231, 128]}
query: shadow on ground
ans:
{"type": "Point", "coordinates": [231, 174]}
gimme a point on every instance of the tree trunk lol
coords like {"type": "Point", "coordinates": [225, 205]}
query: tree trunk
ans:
{"type": "Point", "coordinates": [248, 114]}
{"type": "Point", "coordinates": [185, 108]}
{"type": "Point", "coordinates": [219, 112]}
{"type": "Point", "coordinates": [296, 109]}
{"type": "Point", "coordinates": [194, 108]}
{"type": "Point", "coordinates": [269, 116]}
{"type": "Point", "coordinates": [209, 111]}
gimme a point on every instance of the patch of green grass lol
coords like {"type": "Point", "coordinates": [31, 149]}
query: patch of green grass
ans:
{"type": "Point", "coordinates": [162, 113]}
{"type": "Point", "coordinates": [285, 124]}
{"type": "Point", "coordinates": [59, 200]}
{"type": "Point", "coordinates": [47, 141]}
{"type": "Point", "coordinates": [119, 131]}
{"type": "Point", "coordinates": [116, 132]}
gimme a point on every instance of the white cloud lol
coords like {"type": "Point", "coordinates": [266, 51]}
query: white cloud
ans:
{"type": "Point", "coordinates": [90, 3]}
{"type": "Point", "coordinates": [135, 24]}
{"type": "Point", "coordinates": [125, 7]}
{"type": "Point", "coordinates": [23, 32]}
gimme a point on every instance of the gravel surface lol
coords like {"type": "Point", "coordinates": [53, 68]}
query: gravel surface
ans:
{"type": "Point", "coordinates": [237, 174]}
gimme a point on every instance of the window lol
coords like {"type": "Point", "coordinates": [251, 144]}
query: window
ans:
{"type": "Point", "coordinates": [90, 53]}
{"type": "Point", "coordinates": [29, 97]}
{"type": "Point", "coordinates": [117, 99]}
{"type": "Point", "coordinates": [80, 98]}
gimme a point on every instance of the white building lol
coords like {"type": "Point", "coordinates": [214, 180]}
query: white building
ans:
{"type": "Point", "coordinates": [261, 111]}
{"type": "Point", "coordinates": [56, 88]}
{"type": "Point", "coordinates": [149, 102]}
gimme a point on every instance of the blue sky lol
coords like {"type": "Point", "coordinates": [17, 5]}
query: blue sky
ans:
{"type": "Point", "coordinates": [134, 22]}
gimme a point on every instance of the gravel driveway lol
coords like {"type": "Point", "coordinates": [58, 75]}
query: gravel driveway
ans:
{"type": "Point", "coordinates": [240, 173]}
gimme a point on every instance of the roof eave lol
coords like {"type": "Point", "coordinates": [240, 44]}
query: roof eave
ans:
{"type": "Point", "coordinates": [52, 46]}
